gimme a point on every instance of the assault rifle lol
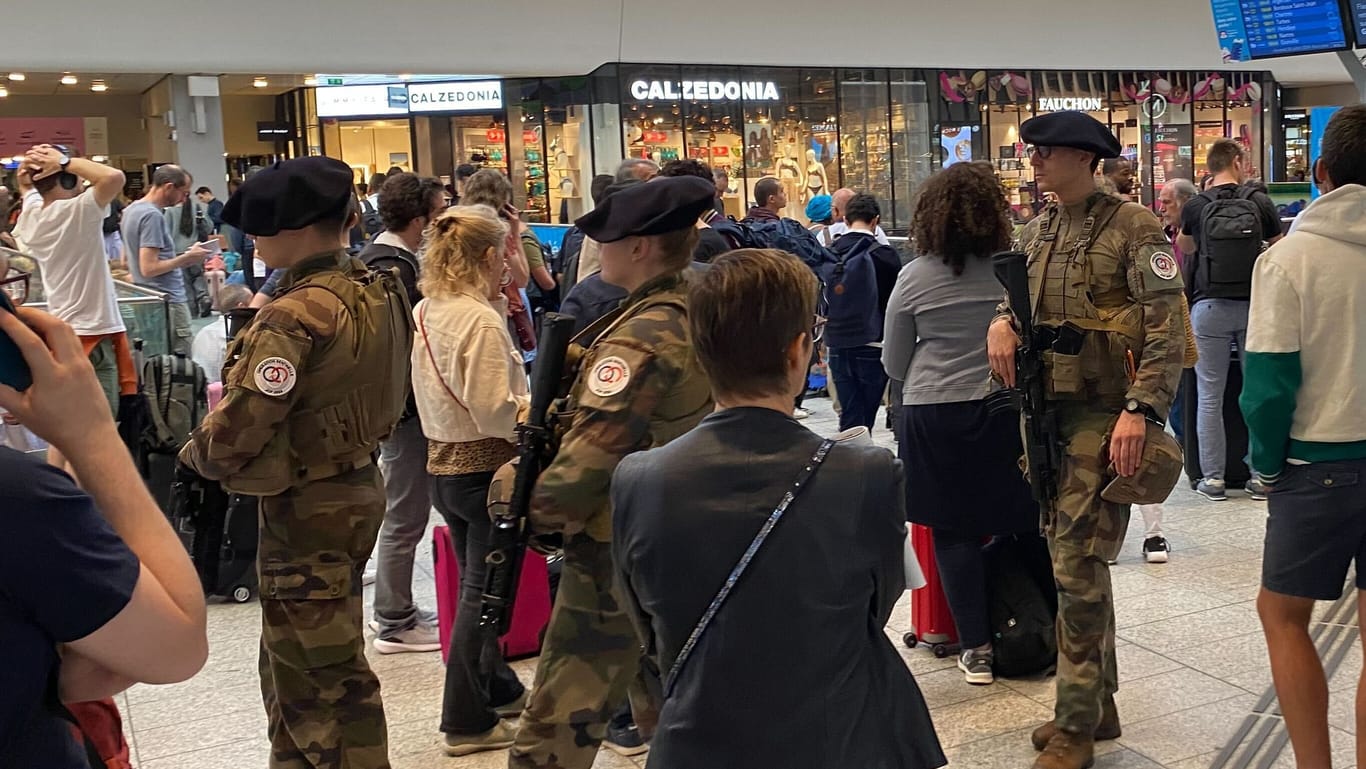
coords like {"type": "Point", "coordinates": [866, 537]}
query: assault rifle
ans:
{"type": "Point", "coordinates": [1042, 441]}
{"type": "Point", "coordinates": [509, 503]}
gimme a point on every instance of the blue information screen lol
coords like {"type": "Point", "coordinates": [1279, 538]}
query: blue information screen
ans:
{"type": "Point", "coordinates": [1358, 8]}
{"type": "Point", "coordinates": [1289, 27]}
{"type": "Point", "coordinates": [1228, 24]}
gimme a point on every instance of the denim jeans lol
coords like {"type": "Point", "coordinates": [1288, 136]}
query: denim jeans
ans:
{"type": "Point", "coordinates": [477, 678]}
{"type": "Point", "coordinates": [408, 507]}
{"type": "Point", "coordinates": [1218, 324]}
{"type": "Point", "coordinates": [861, 382]}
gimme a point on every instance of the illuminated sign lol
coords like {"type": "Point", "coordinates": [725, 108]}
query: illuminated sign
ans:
{"type": "Point", "coordinates": [704, 90]}
{"type": "Point", "coordinates": [353, 100]}
{"type": "Point", "coordinates": [486, 95]}
{"type": "Point", "coordinates": [1082, 104]}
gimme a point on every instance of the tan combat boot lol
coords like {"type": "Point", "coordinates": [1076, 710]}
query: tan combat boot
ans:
{"type": "Point", "coordinates": [1107, 729]}
{"type": "Point", "coordinates": [1067, 751]}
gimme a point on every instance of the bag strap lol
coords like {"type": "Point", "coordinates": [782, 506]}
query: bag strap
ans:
{"type": "Point", "coordinates": [422, 324]}
{"type": "Point", "coordinates": [726, 587]}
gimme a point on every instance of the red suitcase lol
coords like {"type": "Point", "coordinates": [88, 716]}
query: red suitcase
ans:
{"type": "Point", "coordinates": [931, 620]}
{"type": "Point", "coordinates": [530, 614]}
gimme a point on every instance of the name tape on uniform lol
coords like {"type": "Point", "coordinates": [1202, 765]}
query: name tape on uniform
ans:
{"type": "Point", "coordinates": [609, 377]}
{"type": "Point", "coordinates": [275, 376]}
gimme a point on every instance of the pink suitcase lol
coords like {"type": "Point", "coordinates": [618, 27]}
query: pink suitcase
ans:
{"type": "Point", "coordinates": [215, 394]}
{"type": "Point", "coordinates": [530, 614]}
{"type": "Point", "coordinates": [931, 621]}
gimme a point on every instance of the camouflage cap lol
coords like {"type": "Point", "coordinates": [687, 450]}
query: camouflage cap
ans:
{"type": "Point", "coordinates": [1157, 473]}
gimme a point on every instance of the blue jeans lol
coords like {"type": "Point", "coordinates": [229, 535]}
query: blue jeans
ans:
{"type": "Point", "coordinates": [1218, 324]}
{"type": "Point", "coordinates": [861, 382]}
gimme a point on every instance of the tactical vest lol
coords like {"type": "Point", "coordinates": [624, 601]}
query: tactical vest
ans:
{"type": "Point", "coordinates": [1097, 337]}
{"type": "Point", "coordinates": [351, 394]}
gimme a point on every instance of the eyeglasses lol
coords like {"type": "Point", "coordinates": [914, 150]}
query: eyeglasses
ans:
{"type": "Point", "coordinates": [1043, 152]}
{"type": "Point", "coordinates": [15, 285]}
{"type": "Point", "coordinates": [818, 328]}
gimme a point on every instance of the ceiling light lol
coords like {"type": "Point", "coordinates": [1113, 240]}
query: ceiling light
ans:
{"type": "Point", "coordinates": [17, 77]}
{"type": "Point", "coordinates": [100, 158]}
{"type": "Point", "coordinates": [98, 86]}
{"type": "Point", "coordinates": [260, 82]}
{"type": "Point", "coordinates": [69, 79]}
{"type": "Point", "coordinates": [3, 92]}
{"type": "Point", "coordinates": [405, 78]}
{"type": "Point", "coordinates": [310, 80]}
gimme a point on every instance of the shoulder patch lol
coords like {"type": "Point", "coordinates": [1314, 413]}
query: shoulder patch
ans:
{"type": "Point", "coordinates": [1164, 265]}
{"type": "Point", "coordinates": [275, 376]}
{"type": "Point", "coordinates": [609, 376]}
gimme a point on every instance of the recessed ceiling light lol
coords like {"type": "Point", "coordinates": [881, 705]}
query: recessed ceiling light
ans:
{"type": "Point", "coordinates": [69, 79]}
{"type": "Point", "coordinates": [17, 77]}
{"type": "Point", "coordinates": [405, 78]}
{"type": "Point", "coordinates": [3, 92]}
{"type": "Point", "coordinates": [98, 86]}
{"type": "Point", "coordinates": [310, 80]}
{"type": "Point", "coordinates": [260, 82]}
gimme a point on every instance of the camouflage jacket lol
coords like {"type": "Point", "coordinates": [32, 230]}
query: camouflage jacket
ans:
{"type": "Point", "coordinates": [639, 386]}
{"type": "Point", "coordinates": [312, 384]}
{"type": "Point", "coordinates": [1124, 287]}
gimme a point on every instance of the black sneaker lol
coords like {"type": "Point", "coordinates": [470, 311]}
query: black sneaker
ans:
{"type": "Point", "coordinates": [1256, 489]}
{"type": "Point", "coordinates": [1156, 550]}
{"type": "Point", "coordinates": [625, 740]}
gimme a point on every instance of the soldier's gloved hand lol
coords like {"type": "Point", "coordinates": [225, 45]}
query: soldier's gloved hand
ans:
{"type": "Point", "coordinates": [546, 544]}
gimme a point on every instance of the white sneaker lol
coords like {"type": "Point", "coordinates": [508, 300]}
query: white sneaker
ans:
{"type": "Point", "coordinates": [418, 638]}
{"type": "Point", "coordinates": [800, 413]}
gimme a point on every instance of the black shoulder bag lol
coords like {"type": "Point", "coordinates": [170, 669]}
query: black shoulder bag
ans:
{"type": "Point", "coordinates": [651, 667]}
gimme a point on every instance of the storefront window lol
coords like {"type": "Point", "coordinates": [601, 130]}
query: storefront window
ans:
{"type": "Point", "coordinates": [912, 159]}
{"type": "Point", "coordinates": [791, 134]}
{"type": "Point", "coordinates": [369, 146]}
{"type": "Point", "coordinates": [606, 117]}
{"type": "Point", "coordinates": [568, 147]}
{"type": "Point", "coordinates": [531, 189]}
{"type": "Point", "coordinates": [714, 130]}
{"type": "Point", "coordinates": [1010, 101]}
{"type": "Point", "coordinates": [961, 108]}
{"type": "Point", "coordinates": [865, 134]}
{"type": "Point", "coordinates": [1244, 124]}
{"type": "Point", "coordinates": [654, 120]}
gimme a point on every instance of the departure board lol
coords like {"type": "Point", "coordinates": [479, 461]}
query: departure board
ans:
{"type": "Point", "coordinates": [1358, 17]}
{"type": "Point", "coordinates": [1290, 27]}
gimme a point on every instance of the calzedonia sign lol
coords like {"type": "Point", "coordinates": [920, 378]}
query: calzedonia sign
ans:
{"type": "Point", "coordinates": [704, 90]}
{"type": "Point", "coordinates": [455, 97]}
{"type": "Point", "coordinates": [1060, 104]}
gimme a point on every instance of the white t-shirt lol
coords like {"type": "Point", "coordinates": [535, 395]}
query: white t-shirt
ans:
{"type": "Point", "coordinates": [209, 348]}
{"type": "Point", "coordinates": [839, 228]}
{"type": "Point", "coordinates": [66, 237]}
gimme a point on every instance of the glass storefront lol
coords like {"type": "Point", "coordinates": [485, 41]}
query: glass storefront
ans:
{"type": "Point", "coordinates": [884, 131]}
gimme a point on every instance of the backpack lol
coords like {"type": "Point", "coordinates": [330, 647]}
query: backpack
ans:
{"type": "Point", "coordinates": [789, 235]}
{"type": "Point", "coordinates": [370, 222]}
{"type": "Point", "coordinates": [1022, 605]}
{"type": "Point", "coordinates": [1230, 242]}
{"type": "Point", "coordinates": [570, 248]}
{"type": "Point", "coordinates": [178, 398]}
{"type": "Point", "coordinates": [849, 297]}
{"type": "Point", "coordinates": [738, 234]}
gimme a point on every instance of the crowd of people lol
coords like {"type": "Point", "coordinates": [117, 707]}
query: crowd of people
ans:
{"type": "Point", "coordinates": [385, 373]}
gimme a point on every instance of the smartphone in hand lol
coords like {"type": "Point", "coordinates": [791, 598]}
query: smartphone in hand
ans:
{"type": "Point", "coordinates": [212, 246]}
{"type": "Point", "coordinates": [14, 369]}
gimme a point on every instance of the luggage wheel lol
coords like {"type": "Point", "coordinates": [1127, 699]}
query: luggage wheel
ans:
{"type": "Point", "coordinates": [941, 650]}
{"type": "Point", "coordinates": [910, 640]}
{"type": "Point", "coordinates": [241, 594]}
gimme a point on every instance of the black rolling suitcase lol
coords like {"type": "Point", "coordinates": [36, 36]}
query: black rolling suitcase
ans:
{"type": "Point", "coordinates": [1235, 429]}
{"type": "Point", "coordinates": [219, 530]}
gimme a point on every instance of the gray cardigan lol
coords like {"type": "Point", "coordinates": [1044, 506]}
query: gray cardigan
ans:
{"type": "Point", "coordinates": [935, 339]}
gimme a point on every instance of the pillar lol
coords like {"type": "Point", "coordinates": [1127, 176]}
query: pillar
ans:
{"type": "Point", "coordinates": [197, 117]}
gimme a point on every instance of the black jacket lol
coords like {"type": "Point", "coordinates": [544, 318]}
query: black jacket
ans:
{"type": "Point", "coordinates": [800, 641]}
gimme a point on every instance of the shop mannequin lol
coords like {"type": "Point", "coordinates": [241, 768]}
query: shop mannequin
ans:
{"type": "Point", "coordinates": [815, 178]}
{"type": "Point", "coordinates": [791, 175]}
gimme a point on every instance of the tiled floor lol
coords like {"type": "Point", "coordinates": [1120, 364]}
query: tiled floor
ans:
{"type": "Point", "coordinates": [1192, 668]}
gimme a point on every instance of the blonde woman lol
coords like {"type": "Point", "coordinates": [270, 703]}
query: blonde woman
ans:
{"type": "Point", "coordinates": [469, 383]}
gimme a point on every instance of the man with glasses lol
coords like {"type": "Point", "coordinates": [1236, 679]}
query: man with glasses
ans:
{"type": "Point", "coordinates": [407, 204]}
{"type": "Point", "coordinates": [152, 257]}
{"type": "Point", "coordinates": [1106, 284]}
{"type": "Point", "coordinates": [66, 199]}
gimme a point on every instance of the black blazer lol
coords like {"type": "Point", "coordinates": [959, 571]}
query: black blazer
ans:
{"type": "Point", "coordinates": [795, 670]}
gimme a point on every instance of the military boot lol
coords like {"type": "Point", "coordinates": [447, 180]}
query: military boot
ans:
{"type": "Point", "coordinates": [1107, 729]}
{"type": "Point", "coordinates": [1067, 751]}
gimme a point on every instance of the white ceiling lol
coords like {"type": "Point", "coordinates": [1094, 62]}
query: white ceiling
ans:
{"type": "Point", "coordinates": [49, 84]}
{"type": "Point", "coordinates": [532, 37]}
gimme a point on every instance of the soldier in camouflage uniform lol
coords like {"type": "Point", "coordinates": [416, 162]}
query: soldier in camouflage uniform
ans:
{"type": "Point", "coordinates": [1102, 267]}
{"type": "Point", "coordinates": [639, 386]}
{"type": "Point", "coordinates": [310, 388]}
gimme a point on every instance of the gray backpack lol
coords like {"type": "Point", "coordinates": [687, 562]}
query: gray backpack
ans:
{"type": "Point", "coordinates": [178, 397]}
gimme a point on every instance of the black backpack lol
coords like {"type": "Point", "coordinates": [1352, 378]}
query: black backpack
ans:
{"type": "Point", "coordinates": [1022, 605]}
{"type": "Point", "coordinates": [1230, 241]}
{"type": "Point", "coordinates": [370, 222]}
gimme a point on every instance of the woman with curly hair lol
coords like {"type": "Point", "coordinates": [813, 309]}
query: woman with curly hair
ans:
{"type": "Point", "coordinates": [961, 474]}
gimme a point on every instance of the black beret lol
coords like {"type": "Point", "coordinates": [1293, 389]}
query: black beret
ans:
{"type": "Point", "coordinates": [1077, 130]}
{"type": "Point", "coordinates": [291, 195]}
{"type": "Point", "coordinates": [658, 206]}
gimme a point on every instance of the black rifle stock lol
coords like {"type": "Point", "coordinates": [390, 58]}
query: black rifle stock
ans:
{"type": "Point", "coordinates": [507, 540]}
{"type": "Point", "coordinates": [199, 510]}
{"type": "Point", "coordinates": [1041, 438]}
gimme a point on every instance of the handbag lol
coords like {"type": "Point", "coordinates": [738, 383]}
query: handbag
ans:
{"type": "Point", "coordinates": [662, 693]}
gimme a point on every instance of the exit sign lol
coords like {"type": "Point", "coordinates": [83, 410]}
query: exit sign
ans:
{"type": "Point", "coordinates": [335, 81]}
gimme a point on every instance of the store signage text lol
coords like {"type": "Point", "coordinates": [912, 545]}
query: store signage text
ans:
{"type": "Point", "coordinates": [455, 97]}
{"type": "Point", "coordinates": [352, 100]}
{"type": "Point", "coordinates": [704, 90]}
{"type": "Point", "coordinates": [1082, 104]}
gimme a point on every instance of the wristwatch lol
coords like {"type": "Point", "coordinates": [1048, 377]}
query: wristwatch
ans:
{"type": "Point", "coordinates": [1135, 406]}
{"type": "Point", "coordinates": [65, 161]}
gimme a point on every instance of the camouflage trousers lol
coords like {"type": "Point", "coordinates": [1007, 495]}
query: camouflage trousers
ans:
{"type": "Point", "coordinates": [590, 665]}
{"type": "Point", "coordinates": [1084, 534]}
{"type": "Point", "coordinates": [322, 700]}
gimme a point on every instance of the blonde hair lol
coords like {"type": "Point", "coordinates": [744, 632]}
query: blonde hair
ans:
{"type": "Point", "coordinates": [457, 244]}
